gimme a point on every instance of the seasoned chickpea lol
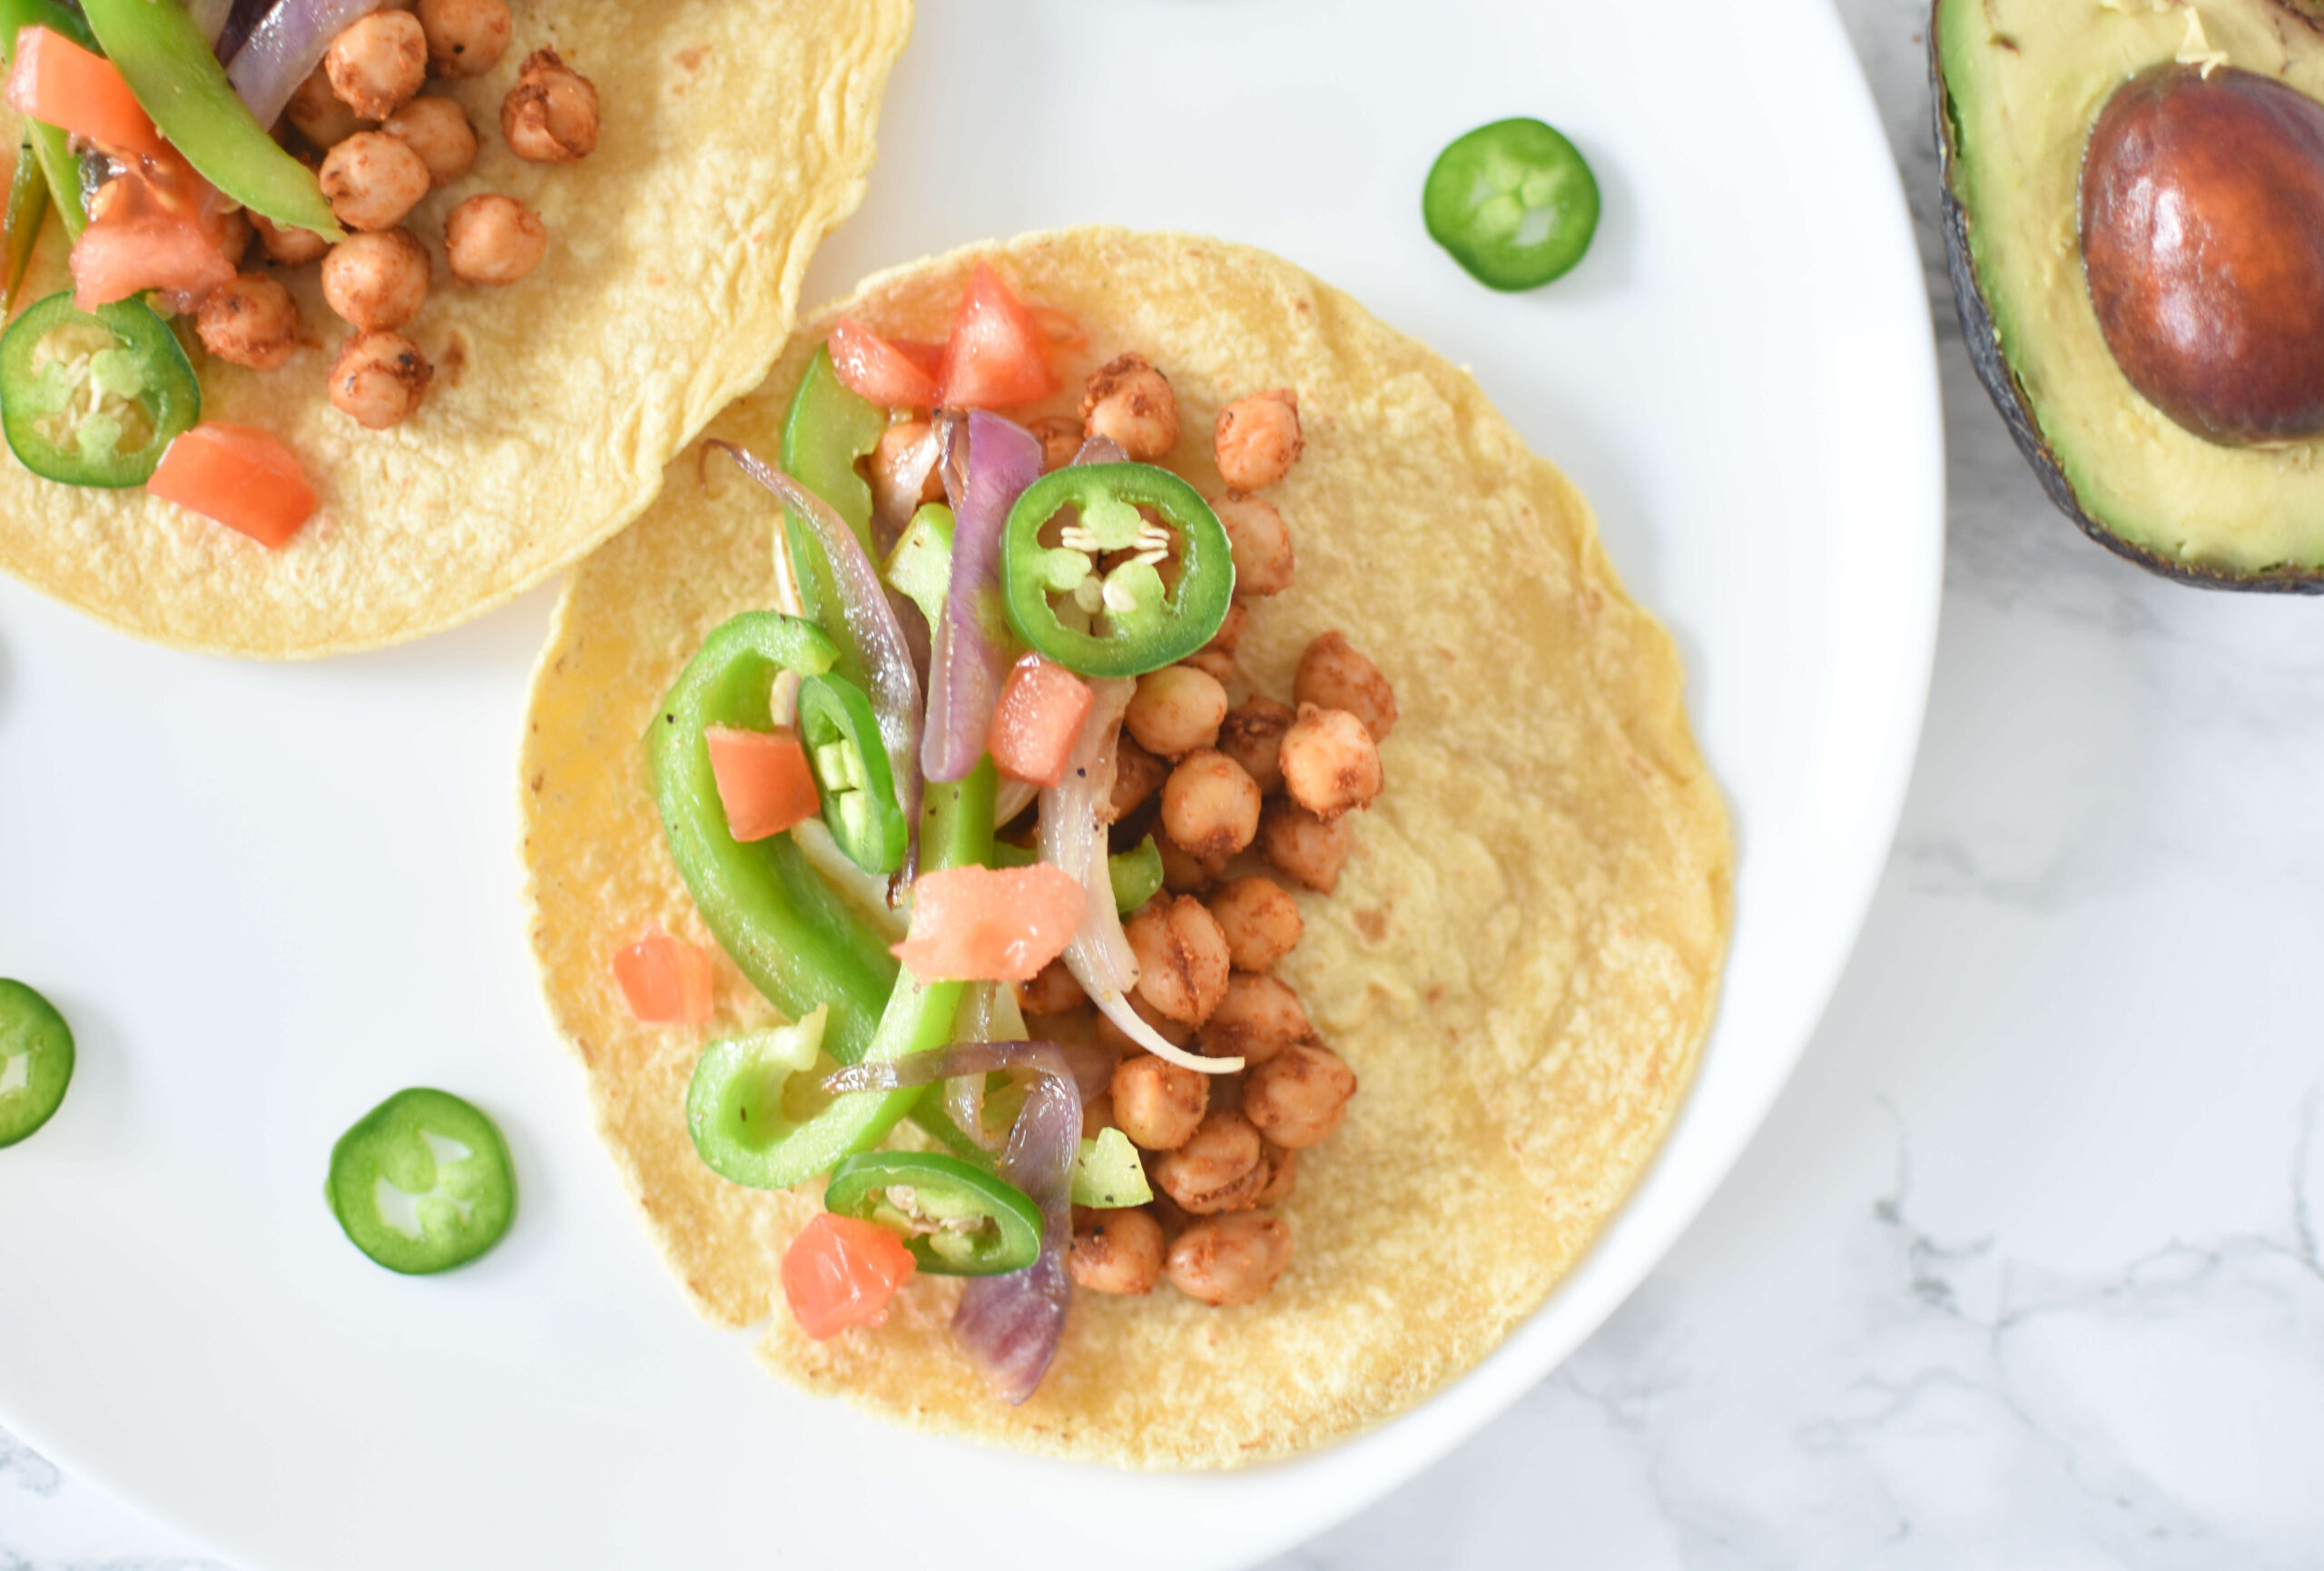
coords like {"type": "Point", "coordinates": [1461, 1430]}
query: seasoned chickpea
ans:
{"type": "Point", "coordinates": [234, 232]}
{"type": "Point", "coordinates": [378, 62]}
{"type": "Point", "coordinates": [1097, 1115]}
{"type": "Point", "coordinates": [379, 378]}
{"type": "Point", "coordinates": [1216, 664]}
{"type": "Point", "coordinates": [1137, 775]}
{"type": "Point", "coordinates": [1283, 1172]}
{"type": "Point", "coordinates": [1176, 1033]}
{"type": "Point", "coordinates": [904, 472]}
{"type": "Point", "coordinates": [1257, 439]}
{"type": "Point", "coordinates": [371, 181]}
{"type": "Point", "coordinates": [1259, 542]}
{"type": "Point", "coordinates": [1157, 1103]}
{"type": "Point", "coordinates": [1261, 922]}
{"type": "Point", "coordinates": [1209, 805]}
{"type": "Point", "coordinates": [321, 114]}
{"type": "Point", "coordinates": [1230, 637]}
{"type": "Point", "coordinates": [1131, 402]}
{"type": "Point", "coordinates": [1219, 1169]}
{"type": "Point", "coordinates": [1176, 710]}
{"type": "Point", "coordinates": [1334, 676]}
{"type": "Point", "coordinates": [493, 239]}
{"type": "Point", "coordinates": [1052, 991]}
{"type": "Point", "coordinates": [1304, 845]}
{"type": "Point", "coordinates": [377, 281]}
{"type": "Point", "coordinates": [1229, 1259]}
{"type": "Point", "coordinates": [1331, 766]}
{"type": "Point", "coordinates": [465, 37]}
{"type": "Point", "coordinates": [437, 130]}
{"type": "Point", "coordinates": [1117, 1251]}
{"type": "Point", "coordinates": [1258, 1018]}
{"type": "Point", "coordinates": [551, 116]}
{"type": "Point", "coordinates": [288, 247]}
{"type": "Point", "coordinates": [1298, 1097]}
{"type": "Point", "coordinates": [1060, 438]}
{"type": "Point", "coordinates": [1181, 958]}
{"type": "Point", "coordinates": [1183, 872]}
{"type": "Point", "coordinates": [1252, 735]}
{"type": "Point", "coordinates": [251, 320]}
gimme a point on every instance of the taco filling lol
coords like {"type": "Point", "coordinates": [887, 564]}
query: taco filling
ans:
{"type": "Point", "coordinates": [196, 152]}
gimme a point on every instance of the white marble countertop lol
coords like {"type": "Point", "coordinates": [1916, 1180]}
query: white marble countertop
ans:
{"type": "Point", "coordinates": [2027, 1266]}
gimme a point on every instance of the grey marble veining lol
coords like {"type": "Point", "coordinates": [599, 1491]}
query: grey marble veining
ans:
{"type": "Point", "coordinates": [2025, 1268]}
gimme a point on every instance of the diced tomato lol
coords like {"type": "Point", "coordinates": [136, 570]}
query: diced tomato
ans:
{"type": "Point", "coordinates": [997, 356]}
{"type": "Point", "coordinates": [239, 476]}
{"type": "Point", "coordinates": [665, 981]}
{"type": "Point", "coordinates": [886, 373]}
{"type": "Point", "coordinates": [56, 81]}
{"type": "Point", "coordinates": [991, 923]}
{"type": "Point", "coordinates": [764, 781]}
{"type": "Point", "coordinates": [1038, 718]}
{"type": "Point", "coordinates": [929, 357]}
{"type": "Point", "coordinates": [841, 1271]}
{"type": "Point", "coordinates": [156, 224]}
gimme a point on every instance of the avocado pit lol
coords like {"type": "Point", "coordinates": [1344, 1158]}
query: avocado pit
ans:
{"type": "Point", "coordinates": [2202, 240]}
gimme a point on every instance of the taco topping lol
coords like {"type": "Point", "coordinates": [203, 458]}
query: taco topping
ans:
{"type": "Point", "coordinates": [240, 476]}
{"type": "Point", "coordinates": [36, 1061]}
{"type": "Point", "coordinates": [93, 398]}
{"type": "Point", "coordinates": [841, 1271]}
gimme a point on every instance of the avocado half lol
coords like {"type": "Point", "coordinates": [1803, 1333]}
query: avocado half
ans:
{"type": "Point", "coordinates": [2017, 85]}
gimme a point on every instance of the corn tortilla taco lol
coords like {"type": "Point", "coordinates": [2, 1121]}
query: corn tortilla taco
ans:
{"type": "Point", "coordinates": [1517, 958]}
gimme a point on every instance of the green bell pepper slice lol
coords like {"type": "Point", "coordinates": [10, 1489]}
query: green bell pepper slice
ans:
{"type": "Point", "coordinates": [1126, 620]}
{"type": "Point", "coordinates": [36, 1061]}
{"type": "Point", "coordinates": [781, 924]}
{"type": "Point", "coordinates": [1109, 1173]}
{"type": "Point", "coordinates": [27, 210]}
{"type": "Point", "coordinates": [1513, 202]}
{"type": "Point", "coordinates": [829, 430]}
{"type": "Point", "coordinates": [958, 1220]}
{"type": "Point", "coordinates": [422, 1182]}
{"type": "Point", "coordinates": [94, 399]}
{"type": "Point", "coordinates": [51, 148]}
{"type": "Point", "coordinates": [850, 762]}
{"type": "Point", "coordinates": [178, 81]}
{"type": "Point", "coordinates": [1135, 873]}
{"type": "Point", "coordinates": [920, 567]}
{"type": "Point", "coordinates": [735, 1103]}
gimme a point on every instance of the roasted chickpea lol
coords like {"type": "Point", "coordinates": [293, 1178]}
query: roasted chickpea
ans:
{"type": "Point", "coordinates": [234, 234]}
{"type": "Point", "coordinates": [288, 247]}
{"type": "Point", "coordinates": [1176, 710]}
{"type": "Point", "coordinates": [1257, 439]}
{"type": "Point", "coordinates": [437, 130]}
{"type": "Point", "coordinates": [379, 378]}
{"type": "Point", "coordinates": [1157, 1103]}
{"type": "Point", "coordinates": [551, 116]}
{"type": "Point", "coordinates": [1097, 1115]}
{"type": "Point", "coordinates": [1060, 437]}
{"type": "Point", "coordinates": [377, 62]}
{"type": "Point", "coordinates": [371, 181]}
{"type": "Point", "coordinates": [1181, 958]}
{"type": "Point", "coordinates": [1117, 1251]}
{"type": "Point", "coordinates": [1298, 1097]}
{"type": "Point", "coordinates": [494, 240]}
{"type": "Point", "coordinates": [1304, 845]}
{"type": "Point", "coordinates": [1183, 872]}
{"type": "Point", "coordinates": [1259, 542]}
{"type": "Point", "coordinates": [1258, 1018]}
{"type": "Point", "coordinates": [321, 114]}
{"type": "Point", "coordinates": [1261, 922]}
{"type": "Point", "coordinates": [1209, 805]}
{"type": "Point", "coordinates": [1216, 664]}
{"type": "Point", "coordinates": [465, 37]}
{"type": "Point", "coordinates": [249, 319]}
{"type": "Point", "coordinates": [905, 470]}
{"type": "Point", "coordinates": [1331, 766]}
{"type": "Point", "coordinates": [1230, 637]}
{"type": "Point", "coordinates": [377, 281]}
{"type": "Point", "coordinates": [1176, 1033]}
{"type": "Point", "coordinates": [1332, 675]}
{"type": "Point", "coordinates": [1052, 991]}
{"type": "Point", "coordinates": [1252, 735]}
{"type": "Point", "coordinates": [1137, 775]}
{"type": "Point", "coordinates": [1218, 1170]}
{"type": "Point", "coordinates": [1283, 1172]}
{"type": "Point", "coordinates": [1229, 1259]}
{"type": "Point", "coordinates": [1131, 402]}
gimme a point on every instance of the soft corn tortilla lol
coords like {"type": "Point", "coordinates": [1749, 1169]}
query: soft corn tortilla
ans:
{"type": "Point", "coordinates": [1519, 961]}
{"type": "Point", "coordinates": [735, 133]}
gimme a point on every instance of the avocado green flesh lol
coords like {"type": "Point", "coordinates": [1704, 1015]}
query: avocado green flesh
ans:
{"type": "Point", "coordinates": [2022, 82]}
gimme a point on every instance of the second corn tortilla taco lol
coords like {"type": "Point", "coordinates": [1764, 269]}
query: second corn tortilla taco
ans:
{"type": "Point", "coordinates": [1521, 960]}
{"type": "Point", "coordinates": [735, 133]}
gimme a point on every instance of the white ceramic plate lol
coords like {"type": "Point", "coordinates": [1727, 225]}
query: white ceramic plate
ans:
{"type": "Point", "coordinates": [267, 896]}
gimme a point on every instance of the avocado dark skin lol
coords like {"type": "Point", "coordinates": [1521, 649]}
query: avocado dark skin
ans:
{"type": "Point", "coordinates": [2009, 395]}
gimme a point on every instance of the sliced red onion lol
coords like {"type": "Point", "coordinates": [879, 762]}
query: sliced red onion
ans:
{"type": "Point", "coordinates": [1099, 450]}
{"type": "Point", "coordinates": [285, 46]}
{"type": "Point", "coordinates": [896, 487]}
{"type": "Point", "coordinates": [1013, 797]}
{"type": "Point", "coordinates": [1073, 837]}
{"type": "Point", "coordinates": [871, 624]}
{"type": "Point", "coordinates": [237, 19]}
{"type": "Point", "coordinates": [1011, 1324]}
{"type": "Point", "coordinates": [988, 463]}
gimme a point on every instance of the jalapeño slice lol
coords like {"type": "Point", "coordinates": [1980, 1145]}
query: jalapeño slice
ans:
{"type": "Point", "coordinates": [36, 1061]}
{"type": "Point", "coordinates": [422, 1182]}
{"type": "Point", "coordinates": [1095, 601]}
{"type": "Point", "coordinates": [850, 762]}
{"type": "Point", "coordinates": [956, 1220]}
{"type": "Point", "coordinates": [94, 399]}
{"type": "Point", "coordinates": [1514, 202]}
